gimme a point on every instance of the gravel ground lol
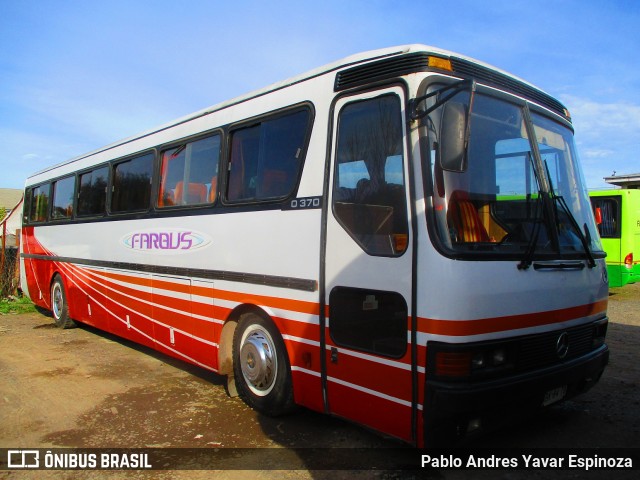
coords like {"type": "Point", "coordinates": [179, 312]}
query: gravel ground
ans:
{"type": "Point", "coordinates": [88, 389]}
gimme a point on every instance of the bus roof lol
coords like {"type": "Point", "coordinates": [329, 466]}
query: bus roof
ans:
{"type": "Point", "coordinates": [350, 61]}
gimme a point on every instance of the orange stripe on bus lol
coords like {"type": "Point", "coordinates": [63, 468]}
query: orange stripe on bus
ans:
{"type": "Point", "coordinates": [447, 327]}
{"type": "Point", "coordinates": [510, 322]}
{"type": "Point", "coordinates": [300, 306]}
{"type": "Point", "coordinates": [136, 280]}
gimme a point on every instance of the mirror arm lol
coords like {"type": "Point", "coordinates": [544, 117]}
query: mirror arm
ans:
{"type": "Point", "coordinates": [472, 96]}
{"type": "Point", "coordinates": [415, 113]}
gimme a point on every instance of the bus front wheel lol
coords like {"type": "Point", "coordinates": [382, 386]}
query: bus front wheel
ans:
{"type": "Point", "coordinates": [261, 366]}
{"type": "Point", "coordinates": [59, 306]}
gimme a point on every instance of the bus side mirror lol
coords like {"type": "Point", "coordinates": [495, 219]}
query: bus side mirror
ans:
{"type": "Point", "coordinates": [452, 137]}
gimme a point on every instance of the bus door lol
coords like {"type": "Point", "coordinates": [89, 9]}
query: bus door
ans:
{"type": "Point", "coordinates": [368, 265]}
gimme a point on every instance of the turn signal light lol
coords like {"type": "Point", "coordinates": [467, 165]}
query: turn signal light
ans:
{"type": "Point", "coordinates": [480, 361]}
{"type": "Point", "coordinates": [441, 63]}
{"type": "Point", "coordinates": [453, 364]}
{"type": "Point", "coordinates": [628, 260]}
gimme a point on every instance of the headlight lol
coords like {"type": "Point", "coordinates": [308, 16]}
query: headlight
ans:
{"type": "Point", "coordinates": [499, 357]}
{"type": "Point", "coordinates": [467, 363]}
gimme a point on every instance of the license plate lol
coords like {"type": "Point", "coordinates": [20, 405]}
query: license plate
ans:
{"type": "Point", "coordinates": [555, 395]}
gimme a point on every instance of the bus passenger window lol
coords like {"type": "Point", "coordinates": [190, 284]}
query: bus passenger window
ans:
{"type": "Point", "coordinates": [92, 196]}
{"type": "Point", "coordinates": [63, 193]}
{"type": "Point", "coordinates": [369, 197]}
{"type": "Point", "coordinates": [39, 203]}
{"type": "Point", "coordinates": [608, 210]}
{"type": "Point", "coordinates": [132, 184]}
{"type": "Point", "coordinates": [266, 159]}
{"type": "Point", "coordinates": [189, 173]}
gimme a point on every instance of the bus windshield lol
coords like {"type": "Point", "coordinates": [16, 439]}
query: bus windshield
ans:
{"type": "Point", "coordinates": [514, 189]}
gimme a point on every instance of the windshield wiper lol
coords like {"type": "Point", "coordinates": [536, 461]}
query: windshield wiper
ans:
{"type": "Point", "coordinates": [527, 260]}
{"type": "Point", "coordinates": [581, 236]}
{"type": "Point", "coordinates": [532, 245]}
{"type": "Point", "coordinates": [559, 200]}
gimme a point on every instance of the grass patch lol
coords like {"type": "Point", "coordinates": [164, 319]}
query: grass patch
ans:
{"type": "Point", "coordinates": [15, 305]}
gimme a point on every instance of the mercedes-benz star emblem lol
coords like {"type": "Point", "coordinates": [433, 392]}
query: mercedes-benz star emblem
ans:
{"type": "Point", "coordinates": [562, 345]}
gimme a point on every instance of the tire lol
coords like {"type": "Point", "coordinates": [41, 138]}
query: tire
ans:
{"type": "Point", "coordinates": [261, 366]}
{"type": "Point", "coordinates": [59, 306]}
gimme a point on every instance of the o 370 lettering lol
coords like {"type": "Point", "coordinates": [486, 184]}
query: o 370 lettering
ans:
{"type": "Point", "coordinates": [304, 203]}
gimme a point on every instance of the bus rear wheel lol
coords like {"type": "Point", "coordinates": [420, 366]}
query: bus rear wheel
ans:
{"type": "Point", "coordinates": [261, 366]}
{"type": "Point", "coordinates": [59, 306]}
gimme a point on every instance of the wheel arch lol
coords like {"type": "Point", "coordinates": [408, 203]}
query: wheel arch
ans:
{"type": "Point", "coordinates": [226, 353]}
{"type": "Point", "coordinates": [225, 343]}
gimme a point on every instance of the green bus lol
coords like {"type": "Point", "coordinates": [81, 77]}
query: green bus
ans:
{"type": "Point", "coordinates": [617, 214]}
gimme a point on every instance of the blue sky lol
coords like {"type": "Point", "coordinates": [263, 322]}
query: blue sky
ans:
{"type": "Point", "coordinates": [77, 75]}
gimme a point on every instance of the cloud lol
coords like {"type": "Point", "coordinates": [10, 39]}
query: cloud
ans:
{"type": "Point", "coordinates": [598, 153]}
{"type": "Point", "coordinates": [607, 135]}
{"type": "Point", "coordinates": [26, 152]}
{"type": "Point", "coordinates": [604, 119]}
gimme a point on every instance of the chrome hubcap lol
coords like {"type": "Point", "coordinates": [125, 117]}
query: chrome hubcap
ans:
{"type": "Point", "coordinates": [57, 301]}
{"type": "Point", "coordinates": [258, 360]}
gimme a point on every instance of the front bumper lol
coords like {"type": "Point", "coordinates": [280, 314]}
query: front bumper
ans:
{"type": "Point", "coordinates": [455, 411]}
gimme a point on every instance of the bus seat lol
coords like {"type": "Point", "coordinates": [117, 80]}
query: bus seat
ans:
{"type": "Point", "coordinates": [196, 193]}
{"type": "Point", "coordinates": [166, 199]}
{"type": "Point", "coordinates": [465, 219]}
{"type": "Point", "coordinates": [274, 183]}
{"type": "Point", "coordinates": [365, 191]}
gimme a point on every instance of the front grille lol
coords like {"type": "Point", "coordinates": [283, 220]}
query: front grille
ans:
{"type": "Point", "coordinates": [521, 355]}
{"type": "Point", "coordinates": [538, 351]}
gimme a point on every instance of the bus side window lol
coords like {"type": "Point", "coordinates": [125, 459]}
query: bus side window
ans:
{"type": "Point", "coordinates": [92, 194]}
{"type": "Point", "coordinates": [609, 213]}
{"type": "Point", "coordinates": [266, 159]}
{"type": "Point", "coordinates": [132, 184]}
{"type": "Point", "coordinates": [243, 164]}
{"type": "Point", "coordinates": [63, 193]}
{"type": "Point", "coordinates": [39, 206]}
{"type": "Point", "coordinates": [189, 173]}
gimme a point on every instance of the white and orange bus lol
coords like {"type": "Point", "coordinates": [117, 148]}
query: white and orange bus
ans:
{"type": "Point", "coordinates": [402, 238]}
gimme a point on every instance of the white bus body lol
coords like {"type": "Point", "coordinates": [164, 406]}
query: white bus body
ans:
{"type": "Point", "coordinates": [380, 239]}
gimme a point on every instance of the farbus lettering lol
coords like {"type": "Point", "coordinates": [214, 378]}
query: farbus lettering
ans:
{"type": "Point", "coordinates": [162, 241]}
